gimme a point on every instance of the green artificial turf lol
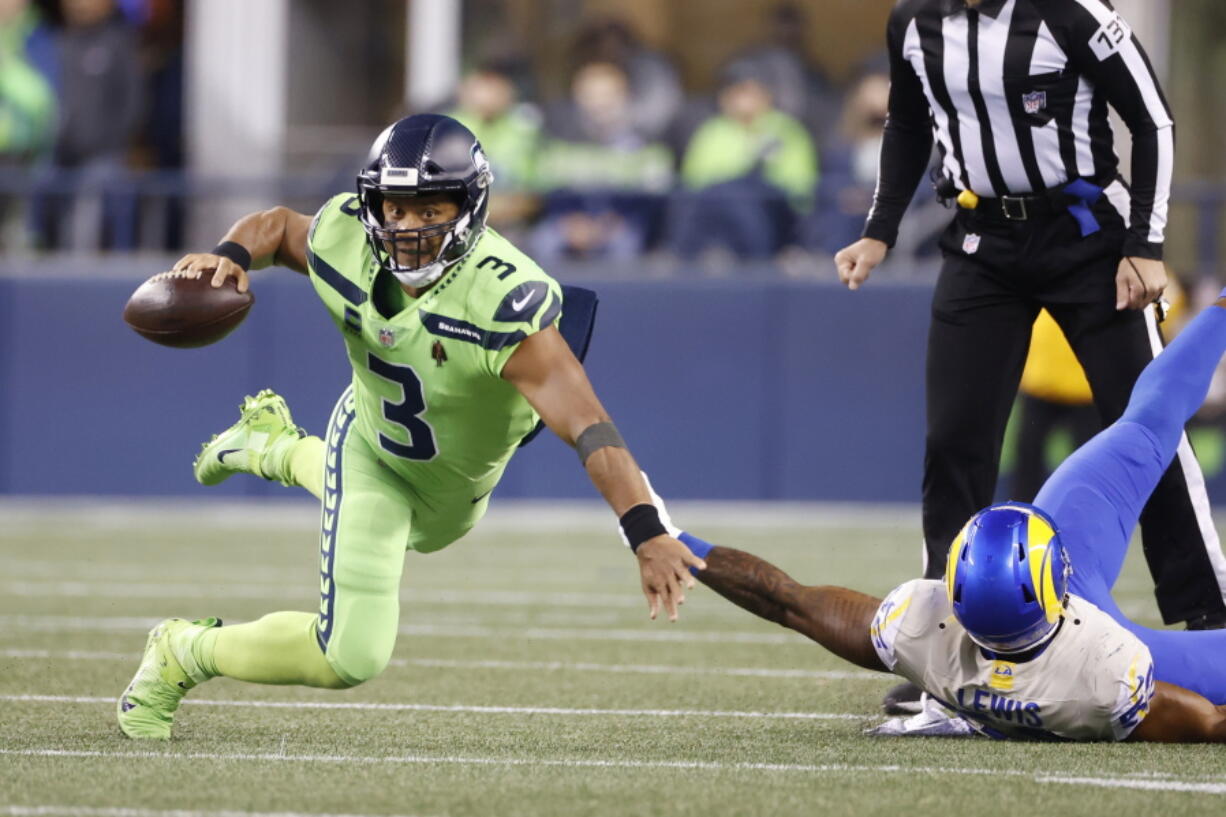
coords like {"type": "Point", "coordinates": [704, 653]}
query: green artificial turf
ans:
{"type": "Point", "coordinates": [527, 681]}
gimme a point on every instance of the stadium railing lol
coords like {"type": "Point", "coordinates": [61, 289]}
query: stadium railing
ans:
{"type": "Point", "coordinates": [163, 196]}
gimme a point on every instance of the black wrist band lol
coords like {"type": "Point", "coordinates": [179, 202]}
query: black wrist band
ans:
{"type": "Point", "coordinates": [235, 252]}
{"type": "Point", "coordinates": [640, 523]}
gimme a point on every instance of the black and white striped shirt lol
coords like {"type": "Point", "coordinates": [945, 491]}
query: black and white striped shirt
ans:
{"type": "Point", "coordinates": [1016, 94]}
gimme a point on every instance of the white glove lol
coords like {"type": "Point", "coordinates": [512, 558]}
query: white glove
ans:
{"type": "Point", "coordinates": [933, 721]}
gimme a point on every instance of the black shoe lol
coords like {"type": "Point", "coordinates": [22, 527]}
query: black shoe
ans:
{"type": "Point", "coordinates": [1208, 621]}
{"type": "Point", "coordinates": [903, 699]}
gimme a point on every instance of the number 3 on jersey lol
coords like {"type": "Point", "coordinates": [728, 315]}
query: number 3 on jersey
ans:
{"type": "Point", "coordinates": [405, 413]}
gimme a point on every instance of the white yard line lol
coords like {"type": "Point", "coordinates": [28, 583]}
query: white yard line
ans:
{"type": "Point", "coordinates": [76, 623]}
{"type": "Point", "coordinates": [297, 590]}
{"type": "Point", "coordinates": [1129, 783]}
{"type": "Point", "coordinates": [116, 569]}
{"type": "Point", "coordinates": [70, 655]}
{"type": "Point", "coordinates": [662, 631]}
{"type": "Point", "coordinates": [1148, 784]}
{"type": "Point", "coordinates": [134, 513]}
{"type": "Point", "coordinates": [650, 669]}
{"type": "Point", "coordinates": [542, 666]}
{"type": "Point", "coordinates": [119, 811]}
{"type": "Point", "coordinates": [484, 710]}
{"type": "Point", "coordinates": [658, 633]}
{"type": "Point", "coordinates": [216, 588]}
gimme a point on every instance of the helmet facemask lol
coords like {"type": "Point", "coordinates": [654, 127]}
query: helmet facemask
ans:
{"type": "Point", "coordinates": [389, 245]}
{"type": "Point", "coordinates": [418, 156]}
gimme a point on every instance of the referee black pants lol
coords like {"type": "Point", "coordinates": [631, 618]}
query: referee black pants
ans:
{"type": "Point", "coordinates": [995, 277]}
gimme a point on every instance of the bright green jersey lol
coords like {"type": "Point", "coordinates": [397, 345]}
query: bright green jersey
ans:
{"type": "Point", "coordinates": [429, 396]}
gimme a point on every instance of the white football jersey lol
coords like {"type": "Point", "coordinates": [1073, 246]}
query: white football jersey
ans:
{"type": "Point", "coordinates": [1093, 681]}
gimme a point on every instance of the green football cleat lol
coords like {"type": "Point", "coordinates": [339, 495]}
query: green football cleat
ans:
{"type": "Point", "coordinates": [264, 422]}
{"type": "Point", "coordinates": [166, 672]}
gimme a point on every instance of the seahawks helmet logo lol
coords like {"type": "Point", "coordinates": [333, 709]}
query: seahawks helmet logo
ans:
{"type": "Point", "coordinates": [484, 174]}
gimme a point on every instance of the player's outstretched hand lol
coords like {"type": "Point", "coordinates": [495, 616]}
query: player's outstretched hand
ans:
{"type": "Point", "coordinates": [1139, 282]}
{"type": "Point", "coordinates": [664, 564]}
{"type": "Point", "coordinates": [855, 261]}
{"type": "Point", "coordinates": [221, 268]}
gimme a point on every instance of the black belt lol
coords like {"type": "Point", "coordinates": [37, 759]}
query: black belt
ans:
{"type": "Point", "coordinates": [1020, 208]}
{"type": "Point", "coordinates": [1077, 197]}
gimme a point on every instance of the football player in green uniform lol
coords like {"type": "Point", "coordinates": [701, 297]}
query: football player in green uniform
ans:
{"type": "Point", "coordinates": [453, 337]}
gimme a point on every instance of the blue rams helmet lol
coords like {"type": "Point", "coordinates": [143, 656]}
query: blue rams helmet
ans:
{"type": "Point", "coordinates": [1007, 577]}
{"type": "Point", "coordinates": [422, 155]}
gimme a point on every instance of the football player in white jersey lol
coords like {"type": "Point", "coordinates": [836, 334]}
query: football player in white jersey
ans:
{"type": "Point", "coordinates": [1023, 639]}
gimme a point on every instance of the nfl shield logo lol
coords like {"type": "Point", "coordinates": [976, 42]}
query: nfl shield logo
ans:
{"type": "Point", "coordinates": [1034, 102]}
{"type": "Point", "coordinates": [970, 244]}
{"type": "Point", "coordinates": [387, 337]}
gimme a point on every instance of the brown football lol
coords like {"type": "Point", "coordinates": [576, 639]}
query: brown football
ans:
{"type": "Point", "coordinates": [176, 309]}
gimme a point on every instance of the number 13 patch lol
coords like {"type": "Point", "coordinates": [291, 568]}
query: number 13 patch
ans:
{"type": "Point", "coordinates": [1110, 37]}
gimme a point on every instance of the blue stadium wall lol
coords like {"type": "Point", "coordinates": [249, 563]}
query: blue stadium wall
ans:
{"type": "Point", "coordinates": [757, 390]}
{"type": "Point", "coordinates": [750, 389]}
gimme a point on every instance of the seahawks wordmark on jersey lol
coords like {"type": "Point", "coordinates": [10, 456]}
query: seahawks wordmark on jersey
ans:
{"type": "Point", "coordinates": [1092, 681]}
{"type": "Point", "coordinates": [428, 390]}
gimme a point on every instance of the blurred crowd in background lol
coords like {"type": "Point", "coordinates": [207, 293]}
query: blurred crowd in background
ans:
{"type": "Point", "coordinates": [775, 162]}
{"type": "Point", "coordinates": [628, 164]}
{"type": "Point", "coordinates": [777, 159]}
{"type": "Point", "coordinates": [90, 90]}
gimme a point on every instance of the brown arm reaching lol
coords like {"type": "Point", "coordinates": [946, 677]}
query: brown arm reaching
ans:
{"type": "Point", "coordinates": [549, 376]}
{"type": "Point", "coordinates": [554, 382]}
{"type": "Point", "coordinates": [276, 236]}
{"type": "Point", "coordinates": [1178, 715]}
{"type": "Point", "coordinates": [835, 617]}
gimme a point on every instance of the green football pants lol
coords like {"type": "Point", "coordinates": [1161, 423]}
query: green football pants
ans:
{"type": "Point", "coordinates": [370, 516]}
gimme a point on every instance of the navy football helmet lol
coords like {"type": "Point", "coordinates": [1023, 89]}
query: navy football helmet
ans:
{"type": "Point", "coordinates": [421, 155]}
{"type": "Point", "coordinates": [1007, 577]}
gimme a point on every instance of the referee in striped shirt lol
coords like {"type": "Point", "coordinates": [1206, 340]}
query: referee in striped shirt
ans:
{"type": "Point", "coordinates": [1015, 93]}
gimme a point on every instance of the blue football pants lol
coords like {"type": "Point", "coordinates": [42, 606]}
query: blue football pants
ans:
{"type": "Point", "coordinates": [1095, 497]}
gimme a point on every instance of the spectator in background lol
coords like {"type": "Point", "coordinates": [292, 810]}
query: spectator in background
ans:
{"type": "Point", "coordinates": [751, 170]}
{"type": "Point", "coordinates": [603, 179]}
{"type": "Point", "coordinates": [33, 22]}
{"type": "Point", "coordinates": [849, 168]}
{"type": "Point", "coordinates": [799, 88]}
{"type": "Point", "coordinates": [655, 95]}
{"type": "Point", "coordinates": [162, 137]}
{"type": "Point", "coordinates": [27, 100]}
{"type": "Point", "coordinates": [101, 102]}
{"type": "Point", "coordinates": [510, 133]}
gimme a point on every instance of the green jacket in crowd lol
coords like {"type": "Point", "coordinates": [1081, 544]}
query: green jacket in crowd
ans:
{"type": "Point", "coordinates": [723, 149]}
{"type": "Point", "coordinates": [27, 100]}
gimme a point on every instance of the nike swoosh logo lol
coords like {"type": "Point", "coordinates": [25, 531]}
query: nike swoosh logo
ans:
{"type": "Point", "coordinates": [221, 455]}
{"type": "Point", "coordinates": [483, 496]}
{"type": "Point", "coordinates": [518, 305]}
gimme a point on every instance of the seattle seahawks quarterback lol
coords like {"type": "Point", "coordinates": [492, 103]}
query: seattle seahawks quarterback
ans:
{"type": "Point", "coordinates": [1023, 639]}
{"type": "Point", "coordinates": [453, 337]}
